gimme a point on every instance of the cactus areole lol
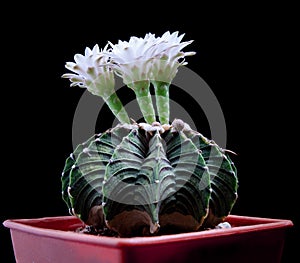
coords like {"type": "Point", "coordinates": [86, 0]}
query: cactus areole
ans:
{"type": "Point", "coordinates": [149, 178]}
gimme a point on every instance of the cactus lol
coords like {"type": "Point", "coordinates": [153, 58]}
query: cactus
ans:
{"type": "Point", "coordinates": [141, 182]}
{"type": "Point", "coordinates": [149, 178]}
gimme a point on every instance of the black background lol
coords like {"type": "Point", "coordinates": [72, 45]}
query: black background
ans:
{"type": "Point", "coordinates": [246, 54]}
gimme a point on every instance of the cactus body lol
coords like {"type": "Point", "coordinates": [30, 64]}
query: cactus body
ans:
{"type": "Point", "coordinates": [143, 180]}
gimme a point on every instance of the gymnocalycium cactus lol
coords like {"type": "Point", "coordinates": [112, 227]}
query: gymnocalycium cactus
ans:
{"type": "Point", "coordinates": [147, 178]}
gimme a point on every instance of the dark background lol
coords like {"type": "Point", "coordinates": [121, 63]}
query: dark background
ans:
{"type": "Point", "coordinates": [246, 54]}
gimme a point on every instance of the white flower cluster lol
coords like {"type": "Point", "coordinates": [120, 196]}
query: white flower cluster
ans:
{"type": "Point", "coordinates": [150, 58]}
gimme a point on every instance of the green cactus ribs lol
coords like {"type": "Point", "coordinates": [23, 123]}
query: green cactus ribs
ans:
{"type": "Point", "coordinates": [145, 179]}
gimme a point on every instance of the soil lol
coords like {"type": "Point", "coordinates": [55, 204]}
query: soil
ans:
{"type": "Point", "coordinates": [90, 230]}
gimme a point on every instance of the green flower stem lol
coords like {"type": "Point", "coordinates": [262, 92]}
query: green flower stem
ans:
{"type": "Point", "coordinates": [162, 100]}
{"type": "Point", "coordinates": [116, 106]}
{"type": "Point", "coordinates": [143, 96]}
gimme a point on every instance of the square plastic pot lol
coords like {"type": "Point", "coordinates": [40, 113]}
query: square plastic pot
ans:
{"type": "Point", "coordinates": [53, 239]}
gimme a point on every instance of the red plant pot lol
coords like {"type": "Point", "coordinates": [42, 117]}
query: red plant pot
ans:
{"type": "Point", "coordinates": [53, 239]}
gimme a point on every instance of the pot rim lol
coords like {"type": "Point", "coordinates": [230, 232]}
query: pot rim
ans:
{"type": "Point", "coordinates": [241, 225]}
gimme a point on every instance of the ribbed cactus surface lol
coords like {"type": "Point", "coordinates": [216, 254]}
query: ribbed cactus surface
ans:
{"type": "Point", "coordinates": [142, 179]}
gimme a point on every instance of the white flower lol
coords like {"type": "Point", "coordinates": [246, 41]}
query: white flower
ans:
{"type": "Point", "coordinates": [169, 57]}
{"type": "Point", "coordinates": [132, 59]}
{"type": "Point", "coordinates": [92, 71]}
{"type": "Point", "coordinates": [149, 58]}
